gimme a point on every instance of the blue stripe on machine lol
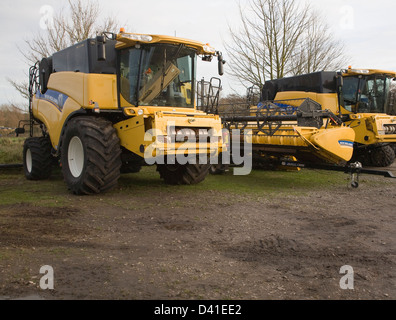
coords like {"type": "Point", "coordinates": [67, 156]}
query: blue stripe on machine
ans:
{"type": "Point", "coordinates": [55, 97]}
{"type": "Point", "coordinates": [345, 143]}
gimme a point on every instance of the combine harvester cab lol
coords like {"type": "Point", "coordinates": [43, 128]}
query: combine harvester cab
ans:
{"type": "Point", "coordinates": [358, 97]}
{"type": "Point", "coordinates": [115, 103]}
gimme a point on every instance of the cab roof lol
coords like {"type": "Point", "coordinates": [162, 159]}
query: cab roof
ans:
{"type": "Point", "coordinates": [365, 72]}
{"type": "Point", "coordinates": [125, 40]}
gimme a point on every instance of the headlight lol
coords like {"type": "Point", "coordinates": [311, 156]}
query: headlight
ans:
{"type": "Point", "coordinates": [140, 112]}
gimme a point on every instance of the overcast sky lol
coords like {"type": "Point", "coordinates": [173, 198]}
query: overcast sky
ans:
{"type": "Point", "coordinates": [366, 27]}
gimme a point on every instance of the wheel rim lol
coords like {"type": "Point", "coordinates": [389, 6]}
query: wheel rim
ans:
{"type": "Point", "coordinates": [75, 157]}
{"type": "Point", "coordinates": [29, 160]}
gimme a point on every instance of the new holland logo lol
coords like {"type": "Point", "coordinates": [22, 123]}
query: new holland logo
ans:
{"type": "Point", "coordinates": [56, 98]}
{"type": "Point", "coordinates": [345, 143]}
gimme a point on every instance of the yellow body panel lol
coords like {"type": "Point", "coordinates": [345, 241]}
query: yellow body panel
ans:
{"type": "Point", "coordinates": [102, 89]}
{"type": "Point", "coordinates": [336, 143]}
{"type": "Point", "coordinates": [327, 100]}
{"type": "Point", "coordinates": [69, 83]}
{"type": "Point", "coordinates": [131, 39]}
{"type": "Point", "coordinates": [53, 117]}
{"type": "Point", "coordinates": [87, 88]}
{"type": "Point", "coordinates": [332, 145]}
{"type": "Point", "coordinates": [370, 127]}
{"type": "Point", "coordinates": [162, 119]}
{"type": "Point", "coordinates": [132, 131]}
{"type": "Point", "coordinates": [150, 110]}
{"type": "Point", "coordinates": [365, 72]}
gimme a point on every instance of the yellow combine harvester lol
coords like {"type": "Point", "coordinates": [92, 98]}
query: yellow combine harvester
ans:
{"type": "Point", "coordinates": [295, 128]}
{"type": "Point", "coordinates": [117, 102]}
{"type": "Point", "coordinates": [358, 97]}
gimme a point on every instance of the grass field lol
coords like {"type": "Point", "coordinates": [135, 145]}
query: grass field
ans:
{"type": "Point", "coordinates": [14, 188]}
{"type": "Point", "coordinates": [148, 181]}
{"type": "Point", "coordinates": [11, 150]}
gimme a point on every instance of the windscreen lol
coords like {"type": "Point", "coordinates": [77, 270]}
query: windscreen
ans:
{"type": "Point", "coordinates": [366, 93]}
{"type": "Point", "coordinates": [158, 75]}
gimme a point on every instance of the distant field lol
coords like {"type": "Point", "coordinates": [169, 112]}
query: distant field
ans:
{"type": "Point", "coordinates": [11, 150]}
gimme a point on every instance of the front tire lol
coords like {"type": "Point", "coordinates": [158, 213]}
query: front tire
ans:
{"type": "Point", "coordinates": [382, 156]}
{"type": "Point", "coordinates": [37, 158]}
{"type": "Point", "coordinates": [217, 169]}
{"type": "Point", "coordinates": [176, 174]}
{"type": "Point", "coordinates": [90, 155]}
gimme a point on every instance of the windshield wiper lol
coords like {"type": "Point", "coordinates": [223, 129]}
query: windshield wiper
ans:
{"type": "Point", "coordinates": [164, 67]}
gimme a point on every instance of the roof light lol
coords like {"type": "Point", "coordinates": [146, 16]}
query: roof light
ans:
{"type": "Point", "coordinates": [122, 30]}
{"type": "Point", "coordinates": [209, 49]}
{"type": "Point", "coordinates": [138, 37]}
{"type": "Point", "coordinates": [359, 71]}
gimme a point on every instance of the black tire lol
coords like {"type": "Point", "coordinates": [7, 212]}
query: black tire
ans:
{"type": "Point", "coordinates": [128, 167]}
{"type": "Point", "coordinates": [37, 158]}
{"type": "Point", "coordinates": [217, 169]}
{"type": "Point", "coordinates": [176, 174]}
{"type": "Point", "coordinates": [90, 155]}
{"type": "Point", "coordinates": [131, 163]}
{"type": "Point", "coordinates": [382, 156]}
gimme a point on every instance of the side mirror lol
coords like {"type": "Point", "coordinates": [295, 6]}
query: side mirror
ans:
{"type": "Point", "coordinates": [101, 40]}
{"type": "Point", "coordinates": [19, 131]}
{"type": "Point", "coordinates": [221, 63]}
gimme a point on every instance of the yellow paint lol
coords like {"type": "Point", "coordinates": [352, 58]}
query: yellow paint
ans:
{"type": "Point", "coordinates": [326, 100]}
{"type": "Point", "coordinates": [322, 142]}
{"type": "Point", "coordinates": [330, 142]}
{"type": "Point", "coordinates": [124, 41]}
{"type": "Point", "coordinates": [52, 117]}
{"type": "Point", "coordinates": [86, 88]}
{"type": "Point", "coordinates": [131, 133]}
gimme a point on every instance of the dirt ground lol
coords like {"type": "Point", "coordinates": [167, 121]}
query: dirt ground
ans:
{"type": "Point", "coordinates": [208, 245]}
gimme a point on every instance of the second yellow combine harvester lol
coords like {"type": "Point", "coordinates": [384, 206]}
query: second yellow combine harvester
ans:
{"type": "Point", "coordinates": [331, 120]}
{"type": "Point", "coordinates": [359, 98]}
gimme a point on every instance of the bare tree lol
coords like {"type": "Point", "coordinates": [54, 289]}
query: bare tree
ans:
{"type": "Point", "coordinates": [81, 20]}
{"type": "Point", "coordinates": [317, 50]}
{"type": "Point", "coordinates": [279, 38]}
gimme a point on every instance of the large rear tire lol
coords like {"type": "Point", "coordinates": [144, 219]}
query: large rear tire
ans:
{"type": "Point", "coordinates": [382, 156]}
{"type": "Point", "coordinates": [37, 158]}
{"type": "Point", "coordinates": [176, 174]}
{"type": "Point", "coordinates": [90, 155]}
